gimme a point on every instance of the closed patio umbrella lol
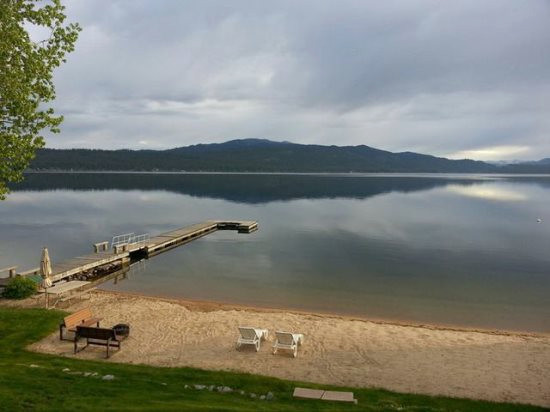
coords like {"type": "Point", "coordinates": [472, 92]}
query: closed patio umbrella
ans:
{"type": "Point", "coordinates": [46, 269]}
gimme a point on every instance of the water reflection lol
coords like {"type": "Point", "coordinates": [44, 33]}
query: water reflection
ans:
{"type": "Point", "coordinates": [484, 191]}
{"type": "Point", "coordinates": [245, 188]}
{"type": "Point", "coordinates": [388, 247]}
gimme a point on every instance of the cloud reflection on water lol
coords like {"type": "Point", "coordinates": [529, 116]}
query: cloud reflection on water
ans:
{"type": "Point", "coordinates": [492, 192]}
{"type": "Point", "coordinates": [429, 249]}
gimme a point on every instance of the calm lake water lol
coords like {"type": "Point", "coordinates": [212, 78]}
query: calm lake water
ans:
{"type": "Point", "coordinates": [462, 250]}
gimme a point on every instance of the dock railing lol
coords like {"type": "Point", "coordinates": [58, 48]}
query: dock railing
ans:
{"type": "Point", "coordinates": [122, 239]}
{"type": "Point", "coordinates": [130, 239]}
{"type": "Point", "coordinates": [140, 239]}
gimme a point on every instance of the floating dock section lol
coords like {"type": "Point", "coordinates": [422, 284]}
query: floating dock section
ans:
{"type": "Point", "coordinates": [169, 240]}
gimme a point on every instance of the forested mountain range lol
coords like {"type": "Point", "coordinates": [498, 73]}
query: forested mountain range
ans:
{"type": "Point", "coordinates": [259, 155]}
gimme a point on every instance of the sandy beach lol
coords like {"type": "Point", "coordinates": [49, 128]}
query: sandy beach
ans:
{"type": "Point", "coordinates": [497, 366]}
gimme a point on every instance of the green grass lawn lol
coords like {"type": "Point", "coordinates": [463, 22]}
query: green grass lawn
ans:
{"type": "Point", "coordinates": [46, 386]}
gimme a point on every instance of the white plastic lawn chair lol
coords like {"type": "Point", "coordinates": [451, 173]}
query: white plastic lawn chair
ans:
{"type": "Point", "coordinates": [288, 341]}
{"type": "Point", "coordinates": [251, 336]}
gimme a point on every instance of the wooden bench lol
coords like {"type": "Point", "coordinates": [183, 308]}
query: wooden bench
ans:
{"type": "Point", "coordinates": [97, 336]}
{"type": "Point", "coordinates": [101, 247]}
{"type": "Point", "coordinates": [82, 317]}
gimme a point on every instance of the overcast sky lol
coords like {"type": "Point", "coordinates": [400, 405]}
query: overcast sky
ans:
{"type": "Point", "coordinates": [451, 78]}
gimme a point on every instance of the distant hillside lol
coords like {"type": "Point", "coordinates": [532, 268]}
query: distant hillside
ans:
{"type": "Point", "coordinates": [254, 155]}
{"type": "Point", "coordinates": [258, 155]}
{"type": "Point", "coordinates": [545, 161]}
{"type": "Point", "coordinates": [541, 167]}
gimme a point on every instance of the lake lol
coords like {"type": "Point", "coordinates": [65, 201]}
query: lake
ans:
{"type": "Point", "coordinates": [464, 250]}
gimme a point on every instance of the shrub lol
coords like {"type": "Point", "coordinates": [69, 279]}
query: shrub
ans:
{"type": "Point", "coordinates": [19, 288]}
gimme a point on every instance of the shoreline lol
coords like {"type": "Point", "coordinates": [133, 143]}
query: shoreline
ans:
{"type": "Point", "coordinates": [473, 175]}
{"type": "Point", "coordinates": [211, 305]}
{"type": "Point", "coordinates": [337, 350]}
{"type": "Point", "coordinates": [202, 305]}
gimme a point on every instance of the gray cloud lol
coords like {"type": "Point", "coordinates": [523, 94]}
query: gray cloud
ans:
{"type": "Point", "coordinates": [448, 78]}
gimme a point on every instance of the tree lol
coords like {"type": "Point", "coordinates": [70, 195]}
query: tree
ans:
{"type": "Point", "coordinates": [26, 80]}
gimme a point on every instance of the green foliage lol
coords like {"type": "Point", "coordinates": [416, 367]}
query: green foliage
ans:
{"type": "Point", "coordinates": [45, 386]}
{"type": "Point", "coordinates": [26, 80]}
{"type": "Point", "coordinates": [19, 288]}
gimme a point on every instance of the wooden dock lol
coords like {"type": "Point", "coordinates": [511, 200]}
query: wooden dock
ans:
{"type": "Point", "coordinates": [122, 253]}
{"type": "Point", "coordinates": [86, 263]}
{"type": "Point", "coordinates": [169, 240]}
